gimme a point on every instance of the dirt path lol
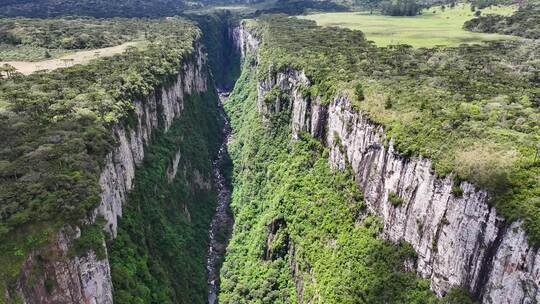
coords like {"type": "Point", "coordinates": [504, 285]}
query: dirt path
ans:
{"type": "Point", "coordinates": [27, 67]}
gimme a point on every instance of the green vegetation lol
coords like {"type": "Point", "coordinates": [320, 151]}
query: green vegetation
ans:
{"type": "Point", "coordinates": [435, 26]}
{"type": "Point", "coordinates": [56, 132]}
{"type": "Point", "coordinates": [458, 296]}
{"type": "Point", "coordinates": [37, 39]}
{"type": "Point", "coordinates": [395, 199]}
{"type": "Point", "coordinates": [524, 22]}
{"type": "Point", "coordinates": [223, 59]}
{"type": "Point", "coordinates": [91, 239]}
{"type": "Point", "coordinates": [159, 255]}
{"type": "Point", "coordinates": [468, 109]}
{"type": "Point", "coordinates": [400, 8]}
{"type": "Point", "coordinates": [296, 7]}
{"type": "Point", "coordinates": [95, 8]}
{"type": "Point", "coordinates": [296, 220]}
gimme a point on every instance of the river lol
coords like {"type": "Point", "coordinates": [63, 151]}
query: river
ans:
{"type": "Point", "coordinates": [221, 226]}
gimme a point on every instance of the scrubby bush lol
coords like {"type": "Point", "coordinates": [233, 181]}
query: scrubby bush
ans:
{"type": "Point", "coordinates": [359, 92]}
{"type": "Point", "coordinates": [524, 22]}
{"type": "Point", "coordinates": [395, 199]}
{"type": "Point", "coordinates": [486, 165]}
{"type": "Point", "coordinates": [400, 8]}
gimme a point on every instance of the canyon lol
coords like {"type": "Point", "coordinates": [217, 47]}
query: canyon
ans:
{"type": "Point", "coordinates": [87, 279]}
{"type": "Point", "coordinates": [459, 239]}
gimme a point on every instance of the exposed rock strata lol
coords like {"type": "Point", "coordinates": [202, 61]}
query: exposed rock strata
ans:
{"type": "Point", "coordinates": [64, 278]}
{"type": "Point", "coordinates": [157, 110]}
{"type": "Point", "coordinates": [460, 241]}
{"type": "Point", "coordinates": [244, 40]}
{"type": "Point", "coordinates": [172, 169]}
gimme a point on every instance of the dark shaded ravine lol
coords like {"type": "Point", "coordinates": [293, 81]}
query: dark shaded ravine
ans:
{"type": "Point", "coordinates": [221, 226]}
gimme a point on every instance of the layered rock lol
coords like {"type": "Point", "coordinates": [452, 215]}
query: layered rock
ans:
{"type": "Point", "coordinates": [244, 40]}
{"type": "Point", "coordinates": [460, 240]}
{"type": "Point", "coordinates": [172, 169]}
{"type": "Point", "coordinates": [64, 278]}
{"type": "Point", "coordinates": [157, 110]}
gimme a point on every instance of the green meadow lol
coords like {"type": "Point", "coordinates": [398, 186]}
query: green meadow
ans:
{"type": "Point", "coordinates": [435, 26]}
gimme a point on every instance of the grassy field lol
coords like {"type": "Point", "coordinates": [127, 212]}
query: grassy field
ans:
{"type": "Point", "coordinates": [434, 26]}
{"type": "Point", "coordinates": [81, 57]}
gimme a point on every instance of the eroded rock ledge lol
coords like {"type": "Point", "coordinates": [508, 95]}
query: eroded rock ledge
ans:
{"type": "Point", "coordinates": [87, 279]}
{"type": "Point", "coordinates": [460, 241]}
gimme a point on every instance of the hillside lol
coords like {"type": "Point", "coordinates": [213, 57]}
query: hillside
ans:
{"type": "Point", "coordinates": [268, 159]}
{"type": "Point", "coordinates": [323, 107]}
{"type": "Point", "coordinates": [37, 39]}
{"type": "Point", "coordinates": [525, 23]}
{"type": "Point", "coordinates": [99, 8]}
{"type": "Point", "coordinates": [436, 26]}
{"type": "Point", "coordinates": [72, 139]}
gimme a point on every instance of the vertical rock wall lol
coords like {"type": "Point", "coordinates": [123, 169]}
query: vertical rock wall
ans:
{"type": "Point", "coordinates": [460, 240]}
{"type": "Point", "coordinates": [244, 40]}
{"type": "Point", "coordinates": [64, 278]}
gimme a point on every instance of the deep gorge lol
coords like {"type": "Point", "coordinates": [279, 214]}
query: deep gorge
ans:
{"type": "Point", "coordinates": [324, 208]}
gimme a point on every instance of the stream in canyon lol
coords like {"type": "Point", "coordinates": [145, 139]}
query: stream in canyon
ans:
{"type": "Point", "coordinates": [221, 226]}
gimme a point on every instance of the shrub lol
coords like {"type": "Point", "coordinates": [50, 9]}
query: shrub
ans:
{"type": "Point", "coordinates": [394, 199]}
{"type": "Point", "coordinates": [359, 92]}
{"type": "Point", "coordinates": [92, 238]}
{"type": "Point", "coordinates": [458, 296]}
{"type": "Point", "coordinates": [388, 103]}
{"type": "Point", "coordinates": [487, 165]}
{"type": "Point", "coordinates": [457, 191]}
{"type": "Point", "coordinates": [50, 285]}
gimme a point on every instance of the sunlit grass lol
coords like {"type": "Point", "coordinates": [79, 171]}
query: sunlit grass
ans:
{"type": "Point", "coordinates": [71, 58]}
{"type": "Point", "coordinates": [434, 26]}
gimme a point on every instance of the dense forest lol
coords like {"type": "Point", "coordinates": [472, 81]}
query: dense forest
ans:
{"type": "Point", "coordinates": [34, 39]}
{"type": "Point", "coordinates": [165, 261]}
{"type": "Point", "coordinates": [525, 22]}
{"type": "Point", "coordinates": [303, 230]}
{"type": "Point", "coordinates": [400, 8]}
{"type": "Point", "coordinates": [99, 8]}
{"type": "Point", "coordinates": [55, 133]}
{"type": "Point", "coordinates": [298, 234]}
{"type": "Point", "coordinates": [471, 111]}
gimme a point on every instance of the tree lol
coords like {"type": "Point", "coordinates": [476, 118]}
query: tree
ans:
{"type": "Point", "coordinates": [8, 69]}
{"type": "Point", "coordinates": [400, 8]}
{"type": "Point", "coordinates": [369, 4]}
{"type": "Point", "coordinates": [359, 92]}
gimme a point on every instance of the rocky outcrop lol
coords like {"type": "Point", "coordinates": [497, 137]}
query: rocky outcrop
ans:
{"type": "Point", "coordinates": [64, 278]}
{"type": "Point", "coordinates": [460, 240]}
{"type": "Point", "coordinates": [58, 277]}
{"type": "Point", "coordinates": [244, 40]}
{"type": "Point", "coordinates": [158, 110]}
{"type": "Point", "coordinates": [172, 169]}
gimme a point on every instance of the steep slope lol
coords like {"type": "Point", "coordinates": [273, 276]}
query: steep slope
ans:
{"type": "Point", "coordinates": [103, 150]}
{"type": "Point", "coordinates": [459, 238]}
{"type": "Point", "coordinates": [361, 174]}
{"type": "Point", "coordinates": [297, 236]}
{"type": "Point", "coordinates": [159, 254]}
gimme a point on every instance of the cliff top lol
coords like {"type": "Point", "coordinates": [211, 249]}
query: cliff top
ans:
{"type": "Point", "coordinates": [473, 110]}
{"type": "Point", "coordinates": [56, 132]}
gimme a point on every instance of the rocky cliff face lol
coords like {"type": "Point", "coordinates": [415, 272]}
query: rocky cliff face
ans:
{"type": "Point", "coordinates": [460, 240]}
{"type": "Point", "coordinates": [244, 40]}
{"type": "Point", "coordinates": [63, 278]}
{"type": "Point", "coordinates": [157, 110]}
